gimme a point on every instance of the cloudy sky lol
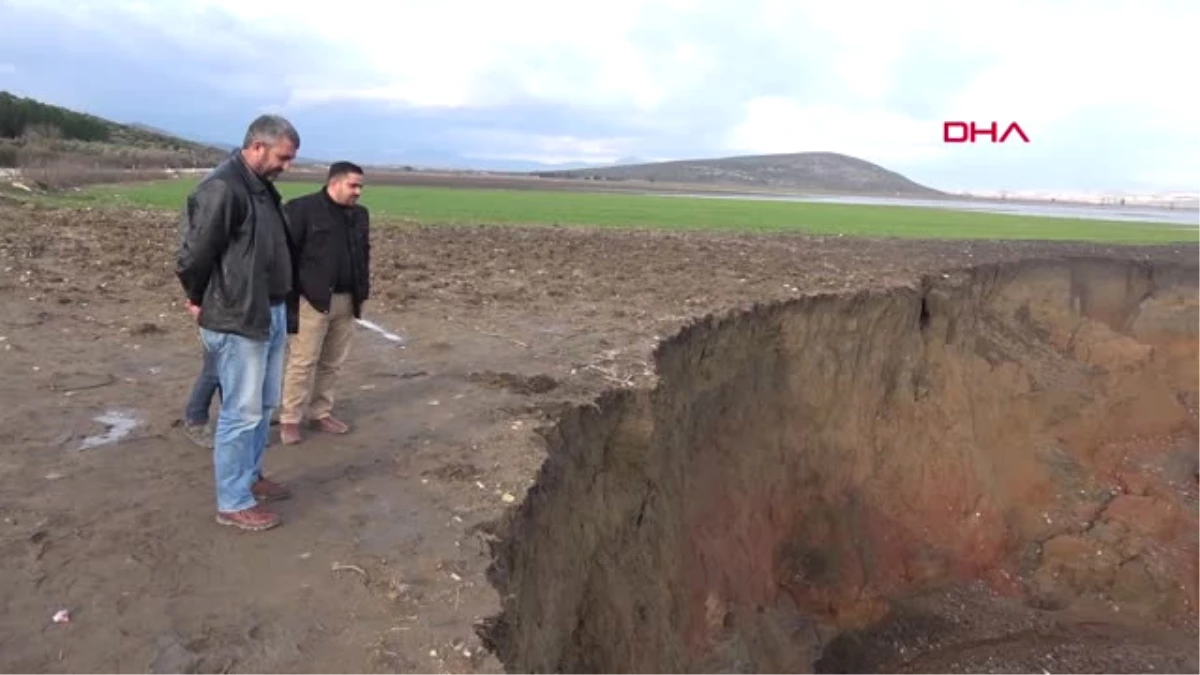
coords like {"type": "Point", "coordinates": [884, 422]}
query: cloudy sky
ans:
{"type": "Point", "coordinates": [1101, 88]}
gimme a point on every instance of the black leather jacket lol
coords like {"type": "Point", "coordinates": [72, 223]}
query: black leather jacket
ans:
{"type": "Point", "coordinates": [226, 249]}
{"type": "Point", "coordinates": [310, 219]}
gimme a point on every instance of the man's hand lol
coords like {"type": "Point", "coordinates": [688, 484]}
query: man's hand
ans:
{"type": "Point", "coordinates": [194, 310]}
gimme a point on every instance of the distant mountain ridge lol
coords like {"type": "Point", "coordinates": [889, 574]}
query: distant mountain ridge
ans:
{"type": "Point", "coordinates": [827, 172]}
{"type": "Point", "coordinates": [32, 132]}
{"type": "Point", "coordinates": [224, 148]}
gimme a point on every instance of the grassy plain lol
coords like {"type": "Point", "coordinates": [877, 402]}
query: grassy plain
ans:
{"type": "Point", "coordinates": [449, 205]}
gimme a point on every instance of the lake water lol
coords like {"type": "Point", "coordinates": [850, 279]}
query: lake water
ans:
{"type": "Point", "coordinates": [1148, 214]}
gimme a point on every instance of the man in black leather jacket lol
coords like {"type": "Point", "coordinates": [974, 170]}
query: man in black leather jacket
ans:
{"type": "Point", "coordinates": [235, 265]}
{"type": "Point", "coordinates": [330, 231]}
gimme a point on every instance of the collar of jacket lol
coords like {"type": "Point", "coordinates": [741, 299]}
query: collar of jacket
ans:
{"type": "Point", "coordinates": [253, 181]}
{"type": "Point", "coordinates": [329, 200]}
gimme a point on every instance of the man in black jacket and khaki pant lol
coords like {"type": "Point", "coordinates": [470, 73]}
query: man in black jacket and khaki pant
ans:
{"type": "Point", "coordinates": [330, 231]}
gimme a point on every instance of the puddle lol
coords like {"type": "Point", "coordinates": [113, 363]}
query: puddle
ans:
{"type": "Point", "coordinates": [399, 339]}
{"type": "Point", "coordinates": [118, 424]}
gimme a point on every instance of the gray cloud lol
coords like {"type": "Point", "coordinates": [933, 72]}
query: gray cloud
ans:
{"type": "Point", "coordinates": [207, 77]}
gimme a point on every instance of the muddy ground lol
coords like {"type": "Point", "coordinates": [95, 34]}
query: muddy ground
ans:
{"type": "Point", "coordinates": [380, 564]}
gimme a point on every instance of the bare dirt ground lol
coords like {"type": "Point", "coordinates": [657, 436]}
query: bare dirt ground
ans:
{"type": "Point", "coordinates": [380, 564]}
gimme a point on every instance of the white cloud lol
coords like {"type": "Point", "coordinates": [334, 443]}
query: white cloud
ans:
{"type": "Point", "coordinates": [775, 124]}
{"type": "Point", "coordinates": [1048, 60]}
{"type": "Point", "coordinates": [451, 53]}
{"type": "Point", "coordinates": [696, 77]}
{"type": "Point", "coordinates": [865, 38]}
{"type": "Point", "coordinates": [1056, 68]}
{"type": "Point", "coordinates": [551, 149]}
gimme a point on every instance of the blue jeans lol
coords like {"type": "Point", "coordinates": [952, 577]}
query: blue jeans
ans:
{"type": "Point", "coordinates": [207, 384]}
{"type": "Point", "coordinates": [250, 373]}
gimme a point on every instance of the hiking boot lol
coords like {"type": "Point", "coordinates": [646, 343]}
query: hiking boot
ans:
{"type": "Point", "coordinates": [289, 433]}
{"type": "Point", "coordinates": [331, 425]}
{"type": "Point", "coordinates": [201, 434]}
{"type": "Point", "coordinates": [254, 519]}
{"type": "Point", "coordinates": [269, 490]}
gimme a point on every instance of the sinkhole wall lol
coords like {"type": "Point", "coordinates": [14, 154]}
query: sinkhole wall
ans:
{"type": "Point", "coordinates": [801, 465]}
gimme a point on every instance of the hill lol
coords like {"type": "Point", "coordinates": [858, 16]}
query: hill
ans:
{"type": "Point", "coordinates": [824, 172]}
{"type": "Point", "coordinates": [58, 147]}
{"type": "Point", "coordinates": [301, 161]}
{"type": "Point", "coordinates": [44, 139]}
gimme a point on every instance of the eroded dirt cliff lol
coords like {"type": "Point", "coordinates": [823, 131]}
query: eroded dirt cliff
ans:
{"type": "Point", "coordinates": [994, 462]}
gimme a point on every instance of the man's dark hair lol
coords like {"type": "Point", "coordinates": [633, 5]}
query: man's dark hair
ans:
{"type": "Point", "coordinates": [269, 129]}
{"type": "Point", "coordinates": [338, 169]}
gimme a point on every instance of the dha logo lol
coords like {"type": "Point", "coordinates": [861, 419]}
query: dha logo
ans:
{"type": "Point", "coordinates": [966, 132]}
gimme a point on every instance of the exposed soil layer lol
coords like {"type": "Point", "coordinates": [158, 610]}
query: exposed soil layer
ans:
{"type": "Point", "coordinates": [106, 508]}
{"type": "Point", "coordinates": [829, 482]}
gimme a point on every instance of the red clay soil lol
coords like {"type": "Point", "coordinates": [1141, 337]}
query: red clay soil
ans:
{"type": "Point", "coordinates": [913, 471]}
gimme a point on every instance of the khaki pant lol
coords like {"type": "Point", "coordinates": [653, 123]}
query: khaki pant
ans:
{"type": "Point", "coordinates": [318, 348]}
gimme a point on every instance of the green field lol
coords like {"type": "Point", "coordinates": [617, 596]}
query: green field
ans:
{"type": "Point", "coordinates": [475, 206]}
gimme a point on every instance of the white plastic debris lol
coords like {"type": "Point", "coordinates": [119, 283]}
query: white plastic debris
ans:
{"type": "Point", "coordinates": [387, 335]}
{"type": "Point", "coordinates": [62, 616]}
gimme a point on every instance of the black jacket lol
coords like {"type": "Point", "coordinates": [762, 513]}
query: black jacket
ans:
{"type": "Point", "coordinates": [228, 230]}
{"type": "Point", "coordinates": [311, 219]}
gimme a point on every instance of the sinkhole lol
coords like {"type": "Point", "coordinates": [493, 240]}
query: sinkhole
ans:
{"type": "Point", "coordinates": [992, 469]}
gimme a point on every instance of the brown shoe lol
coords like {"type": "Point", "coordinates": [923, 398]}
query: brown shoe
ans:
{"type": "Point", "coordinates": [289, 433]}
{"type": "Point", "coordinates": [254, 519]}
{"type": "Point", "coordinates": [331, 425]}
{"type": "Point", "coordinates": [269, 490]}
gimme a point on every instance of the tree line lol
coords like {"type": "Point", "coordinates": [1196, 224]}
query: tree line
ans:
{"type": "Point", "coordinates": [19, 116]}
